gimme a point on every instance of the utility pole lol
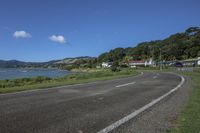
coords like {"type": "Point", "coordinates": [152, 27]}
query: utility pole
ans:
{"type": "Point", "coordinates": [151, 54]}
{"type": "Point", "coordinates": [160, 59]}
{"type": "Point", "coordinates": [154, 64]}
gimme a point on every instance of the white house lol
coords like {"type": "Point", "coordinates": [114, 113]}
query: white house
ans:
{"type": "Point", "coordinates": [106, 65]}
{"type": "Point", "coordinates": [149, 62]}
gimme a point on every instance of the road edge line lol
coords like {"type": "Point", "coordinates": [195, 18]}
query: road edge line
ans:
{"type": "Point", "coordinates": [142, 109]}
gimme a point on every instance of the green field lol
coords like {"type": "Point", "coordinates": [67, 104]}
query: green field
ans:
{"type": "Point", "coordinates": [189, 120]}
{"type": "Point", "coordinates": [22, 84]}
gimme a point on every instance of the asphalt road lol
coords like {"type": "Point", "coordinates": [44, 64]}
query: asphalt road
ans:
{"type": "Point", "coordinates": [86, 108]}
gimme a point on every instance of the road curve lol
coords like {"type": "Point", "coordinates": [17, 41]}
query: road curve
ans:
{"type": "Point", "coordinates": [86, 108]}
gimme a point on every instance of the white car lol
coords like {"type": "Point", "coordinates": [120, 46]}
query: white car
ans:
{"type": "Point", "coordinates": [198, 61]}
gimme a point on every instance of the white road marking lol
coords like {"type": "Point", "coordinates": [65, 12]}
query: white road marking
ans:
{"type": "Point", "coordinates": [135, 113]}
{"type": "Point", "coordinates": [125, 84]}
{"type": "Point", "coordinates": [154, 77]}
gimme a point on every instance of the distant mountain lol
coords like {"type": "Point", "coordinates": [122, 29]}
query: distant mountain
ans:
{"type": "Point", "coordinates": [18, 64]}
{"type": "Point", "coordinates": [52, 63]}
{"type": "Point", "coordinates": [11, 63]}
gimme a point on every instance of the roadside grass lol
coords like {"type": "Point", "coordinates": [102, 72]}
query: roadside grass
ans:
{"type": "Point", "coordinates": [7, 86]}
{"type": "Point", "coordinates": [189, 119]}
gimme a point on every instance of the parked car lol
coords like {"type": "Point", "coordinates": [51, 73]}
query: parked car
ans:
{"type": "Point", "coordinates": [178, 64]}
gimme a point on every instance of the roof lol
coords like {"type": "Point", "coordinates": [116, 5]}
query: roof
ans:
{"type": "Point", "coordinates": [136, 61]}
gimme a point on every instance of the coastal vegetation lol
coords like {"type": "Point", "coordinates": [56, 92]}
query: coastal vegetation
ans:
{"type": "Point", "coordinates": [13, 85]}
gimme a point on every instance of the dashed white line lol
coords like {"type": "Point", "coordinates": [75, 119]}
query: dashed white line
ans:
{"type": "Point", "coordinates": [135, 113]}
{"type": "Point", "coordinates": [154, 77]}
{"type": "Point", "coordinates": [125, 84]}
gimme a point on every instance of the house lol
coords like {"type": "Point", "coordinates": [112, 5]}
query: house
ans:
{"type": "Point", "coordinates": [134, 63]}
{"type": "Point", "coordinates": [106, 65]}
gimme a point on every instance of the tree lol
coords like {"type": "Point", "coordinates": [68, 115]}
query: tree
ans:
{"type": "Point", "coordinates": [177, 46]}
{"type": "Point", "coordinates": [103, 57]}
{"type": "Point", "coordinates": [115, 66]}
{"type": "Point", "coordinates": [117, 54]}
{"type": "Point", "coordinates": [194, 52]}
{"type": "Point", "coordinates": [198, 54]}
{"type": "Point", "coordinates": [192, 30]}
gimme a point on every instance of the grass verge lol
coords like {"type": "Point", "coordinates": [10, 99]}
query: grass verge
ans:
{"type": "Point", "coordinates": [189, 119]}
{"type": "Point", "coordinates": [7, 86]}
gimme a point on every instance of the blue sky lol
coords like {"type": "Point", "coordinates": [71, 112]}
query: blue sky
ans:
{"type": "Point", "coordinates": [42, 30]}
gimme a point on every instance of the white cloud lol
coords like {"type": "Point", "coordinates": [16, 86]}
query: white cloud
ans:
{"type": "Point", "coordinates": [21, 34]}
{"type": "Point", "coordinates": [59, 38]}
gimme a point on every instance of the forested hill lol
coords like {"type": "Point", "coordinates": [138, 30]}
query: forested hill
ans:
{"type": "Point", "coordinates": [176, 47]}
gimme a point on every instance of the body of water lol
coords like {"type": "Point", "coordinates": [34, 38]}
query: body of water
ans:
{"type": "Point", "coordinates": [12, 73]}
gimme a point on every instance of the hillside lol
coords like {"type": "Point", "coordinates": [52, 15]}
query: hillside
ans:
{"type": "Point", "coordinates": [69, 61]}
{"type": "Point", "coordinates": [52, 63]}
{"type": "Point", "coordinates": [20, 64]}
{"type": "Point", "coordinates": [179, 46]}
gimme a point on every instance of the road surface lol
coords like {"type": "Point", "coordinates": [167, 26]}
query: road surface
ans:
{"type": "Point", "coordinates": [83, 108]}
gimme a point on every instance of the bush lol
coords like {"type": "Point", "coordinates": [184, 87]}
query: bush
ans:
{"type": "Point", "coordinates": [40, 79]}
{"type": "Point", "coordinates": [70, 67]}
{"type": "Point", "coordinates": [115, 69]}
{"type": "Point", "coordinates": [22, 81]}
